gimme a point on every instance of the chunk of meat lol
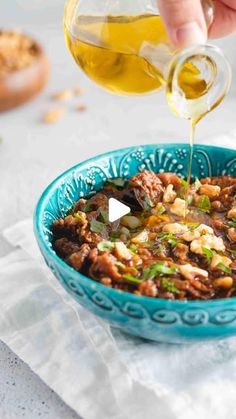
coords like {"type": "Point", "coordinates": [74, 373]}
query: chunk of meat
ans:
{"type": "Point", "coordinates": [222, 181]}
{"type": "Point", "coordinates": [77, 259]}
{"type": "Point", "coordinates": [65, 247]}
{"type": "Point", "coordinates": [65, 226]}
{"type": "Point", "coordinates": [218, 206]}
{"type": "Point", "coordinates": [99, 201]}
{"type": "Point", "coordinates": [148, 288]}
{"type": "Point", "coordinates": [170, 178]}
{"type": "Point", "coordinates": [104, 266]}
{"type": "Point", "coordinates": [146, 185]}
{"type": "Point", "coordinates": [181, 252]}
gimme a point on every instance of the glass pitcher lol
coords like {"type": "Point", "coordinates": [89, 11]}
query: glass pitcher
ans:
{"type": "Point", "coordinates": [124, 47]}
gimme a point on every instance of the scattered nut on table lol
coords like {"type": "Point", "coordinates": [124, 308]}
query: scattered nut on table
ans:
{"type": "Point", "coordinates": [53, 115]}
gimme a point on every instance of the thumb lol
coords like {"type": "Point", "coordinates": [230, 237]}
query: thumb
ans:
{"type": "Point", "coordinates": [184, 21]}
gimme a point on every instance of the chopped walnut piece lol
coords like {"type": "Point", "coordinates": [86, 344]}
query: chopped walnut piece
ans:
{"type": "Point", "coordinates": [223, 282]}
{"type": "Point", "coordinates": [81, 108]}
{"type": "Point", "coordinates": [210, 190]}
{"type": "Point", "coordinates": [232, 234]}
{"type": "Point", "coordinates": [53, 115]}
{"type": "Point", "coordinates": [63, 96]}
{"type": "Point", "coordinates": [78, 91]}
{"type": "Point", "coordinates": [17, 51]}
{"type": "Point", "coordinates": [232, 212]}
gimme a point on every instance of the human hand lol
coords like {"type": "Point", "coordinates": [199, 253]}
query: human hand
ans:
{"type": "Point", "coordinates": [186, 23]}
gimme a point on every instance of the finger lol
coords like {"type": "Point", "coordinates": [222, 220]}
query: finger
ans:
{"type": "Point", "coordinates": [224, 22]}
{"type": "Point", "coordinates": [184, 21]}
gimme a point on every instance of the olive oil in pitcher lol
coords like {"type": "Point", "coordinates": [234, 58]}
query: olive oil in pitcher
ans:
{"type": "Point", "coordinates": [132, 55]}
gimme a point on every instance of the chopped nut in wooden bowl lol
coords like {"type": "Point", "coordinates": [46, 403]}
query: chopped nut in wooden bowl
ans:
{"type": "Point", "coordinates": [23, 69]}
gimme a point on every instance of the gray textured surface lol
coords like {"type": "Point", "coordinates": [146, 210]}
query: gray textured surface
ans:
{"type": "Point", "coordinates": [23, 395]}
{"type": "Point", "coordinates": [32, 154]}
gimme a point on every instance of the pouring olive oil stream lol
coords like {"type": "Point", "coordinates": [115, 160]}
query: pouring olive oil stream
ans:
{"type": "Point", "coordinates": [132, 55]}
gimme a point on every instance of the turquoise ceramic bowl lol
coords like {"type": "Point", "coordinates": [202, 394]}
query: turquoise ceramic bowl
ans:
{"type": "Point", "coordinates": [156, 319]}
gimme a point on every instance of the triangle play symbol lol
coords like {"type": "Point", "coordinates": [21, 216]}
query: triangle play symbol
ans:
{"type": "Point", "coordinates": [116, 209]}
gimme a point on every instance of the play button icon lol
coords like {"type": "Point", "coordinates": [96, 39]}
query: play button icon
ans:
{"type": "Point", "coordinates": [116, 210]}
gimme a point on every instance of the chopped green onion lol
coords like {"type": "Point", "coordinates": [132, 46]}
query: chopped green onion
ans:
{"type": "Point", "coordinates": [184, 183]}
{"type": "Point", "coordinates": [232, 223]}
{"type": "Point", "coordinates": [104, 246]}
{"type": "Point", "coordinates": [173, 242]}
{"type": "Point", "coordinates": [182, 191]}
{"type": "Point", "coordinates": [133, 248]}
{"type": "Point", "coordinates": [159, 249]}
{"type": "Point", "coordinates": [114, 235]}
{"type": "Point", "coordinates": [161, 210]}
{"type": "Point", "coordinates": [104, 215]}
{"type": "Point", "coordinates": [169, 286]}
{"type": "Point", "coordinates": [132, 279]}
{"type": "Point", "coordinates": [148, 204]}
{"type": "Point", "coordinates": [150, 243]}
{"type": "Point", "coordinates": [117, 182]}
{"type": "Point", "coordinates": [224, 268]}
{"type": "Point", "coordinates": [171, 239]}
{"type": "Point", "coordinates": [189, 199]}
{"type": "Point", "coordinates": [205, 204]}
{"type": "Point", "coordinates": [233, 251]}
{"type": "Point", "coordinates": [192, 226]}
{"type": "Point", "coordinates": [86, 207]}
{"type": "Point", "coordinates": [208, 253]}
{"type": "Point", "coordinates": [120, 264]}
{"type": "Point", "coordinates": [97, 226]}
{"type": "Point", "coordinates": [156, 269]}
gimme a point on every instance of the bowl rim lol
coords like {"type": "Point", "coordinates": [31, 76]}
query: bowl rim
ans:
{"type": "Point", "coordinates": [38, 232]}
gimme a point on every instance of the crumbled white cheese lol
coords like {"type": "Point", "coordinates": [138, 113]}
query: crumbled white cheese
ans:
{"type": "Point", "coordinates": [175, 228]}
{"type": "Point", "coordinates": [204, 229]}
{"type": "Point", "coordinates": [179, 207]}
{"type": "Point", "coordinates": [207, 240]}
{"type": "Point", "coordinates": [141, 237]}
{"type": "Point", "coordinates": [122, 252]}
{"type": "Point", "coordinates": [197, 232]}
{"type": "Point", "coordinates": [190, 272]}
{"type": "Point", "coordinates": [189, 236]}
{"type": "Point", "coordinates": [169, 194]}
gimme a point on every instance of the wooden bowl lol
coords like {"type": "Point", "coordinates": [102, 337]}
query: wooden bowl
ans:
{"type": "Point", "coordinates": [19, 86]}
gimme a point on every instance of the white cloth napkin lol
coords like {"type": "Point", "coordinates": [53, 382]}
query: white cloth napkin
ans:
{"type": "Point", "coordinates": [101, 372]}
